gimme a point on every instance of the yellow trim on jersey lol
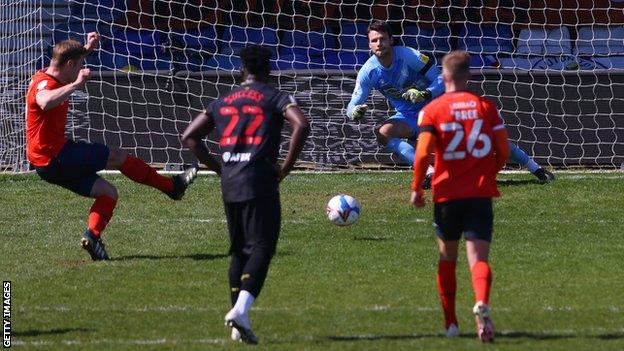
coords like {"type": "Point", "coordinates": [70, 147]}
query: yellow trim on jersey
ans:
{"type": "Point", "coordinates": [292, 104]}
{"type": "Point", "coordinates": [424, 58]}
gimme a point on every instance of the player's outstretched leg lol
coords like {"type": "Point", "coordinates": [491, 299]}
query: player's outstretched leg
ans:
{"type": "Point", "coordinates": [140, 172]}
{"type": "Point", "coordinates": [181, 182]}
{"type": "Point", "coordinates": [516, 155]}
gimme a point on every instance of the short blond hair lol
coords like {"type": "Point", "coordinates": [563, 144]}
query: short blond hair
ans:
{"type": "Point", "coordinates": [457, 64]}
{"type": "Point", "coordinates": [67, 50]}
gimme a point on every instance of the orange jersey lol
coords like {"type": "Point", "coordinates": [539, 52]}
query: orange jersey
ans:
{"type": "Point", "coordinates": [45, 130]}
{"type": "Point", "coordinates": [464, 125]}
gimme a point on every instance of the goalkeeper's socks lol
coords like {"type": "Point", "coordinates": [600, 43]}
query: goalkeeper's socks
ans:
{"type": "Point", "coordinates": [100, 213]}
{"type": "Point", "coordinates": [402, 149]}
{"type": "Point", "coordinates": [481, 281]}
{"type": "Point", "coordinates": [447, 287]}
{"type": "Point", "coordinates": [139, 171]}
{"type": "Point", "coordinates": [244, 302]}
{"type": "Point", "coordinates": [520, 157]}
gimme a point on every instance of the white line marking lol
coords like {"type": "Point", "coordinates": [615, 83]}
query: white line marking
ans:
{"type": "Point", "coordinates": [120, 341]}
{"type": "Point", "coordinates": [224, 309]}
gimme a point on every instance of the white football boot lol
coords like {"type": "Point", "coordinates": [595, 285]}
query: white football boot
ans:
{"type": "Point", "coordinates": [240, 322]}
{"type": "Point", "coordinates": [485, 328]}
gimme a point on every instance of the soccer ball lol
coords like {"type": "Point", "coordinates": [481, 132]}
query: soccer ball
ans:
{"type": "Point", "coordinates": [343, 209]}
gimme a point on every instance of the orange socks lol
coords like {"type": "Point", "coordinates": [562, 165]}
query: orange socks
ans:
{"type": "Point", "coordinates": [100, 213]}
{"type": "Point", "coordinates": [139, 171]}
{"type": "Point", "coordinates": [481, 281]}
{"type": "Point", "coordinates": [447, 287]}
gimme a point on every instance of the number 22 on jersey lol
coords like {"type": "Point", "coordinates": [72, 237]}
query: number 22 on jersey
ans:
{"type": "Point", "coordinates": [453, 152]}
{"type": "Point", "coordinates": [249, 136]}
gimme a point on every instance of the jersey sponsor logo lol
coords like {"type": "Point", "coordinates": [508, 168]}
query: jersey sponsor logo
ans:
{"type": "Point", "coordinates": [463, 104]}
{"type": "Point", "coordinates": [391, 91]}
{"type": "Point", "coordinates": [42, 85]}
{"type": "Point", "coordinates": [236, 156]}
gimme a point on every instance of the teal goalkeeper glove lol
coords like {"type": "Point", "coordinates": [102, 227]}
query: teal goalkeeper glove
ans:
{"type": "Point", "coordinates": [415, 95]}
{"type": "Point", "coordinates": [358, 112]}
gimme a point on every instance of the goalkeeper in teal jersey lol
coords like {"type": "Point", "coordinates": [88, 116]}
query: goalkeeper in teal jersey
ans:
{"type": "Point", "coordinates": [409, 80]}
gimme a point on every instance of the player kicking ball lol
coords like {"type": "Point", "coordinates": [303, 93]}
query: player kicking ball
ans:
{"type": "Point", "coordinates": [248, 121]}
{"type": "Point", "coordinates": [74, 165]}
{"type": "Point", "coordinates": [468, 137]}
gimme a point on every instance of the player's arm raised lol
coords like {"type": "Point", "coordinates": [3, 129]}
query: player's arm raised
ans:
{"type": "Point", "coordinates": [300, 132]}
{"type": "Point", "coordinates": [49, 99]}
{"type": "Point", "coordinates": [201, 126]}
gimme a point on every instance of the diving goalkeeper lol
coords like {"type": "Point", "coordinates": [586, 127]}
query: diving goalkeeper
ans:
{"type": "Point", "coordinates": [409, 80]}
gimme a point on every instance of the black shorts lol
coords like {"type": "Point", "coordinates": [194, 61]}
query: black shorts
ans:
{"type": "Point", "coordinates": [75, 166]}
{"type": "Point", "coordinates": [254, 224]}
{"type": "Point", "coordinates": [472, 217]}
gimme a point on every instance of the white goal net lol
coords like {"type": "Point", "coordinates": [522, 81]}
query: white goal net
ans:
{"type": "Point", "coordinates": [554, 68]}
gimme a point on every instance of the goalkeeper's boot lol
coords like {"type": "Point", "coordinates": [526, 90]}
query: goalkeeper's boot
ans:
{"type": "Point", "coordinates": [543, 175]}
{"type": "Point", "coordinates": [452, 331]}
{"type": "Point", "coordinates": [94, 246]}
{"type": "Point", "coordinates": [240, 322]}
{"type": "Point", "coordinates": [427, 181]}
{"type": "Point", "coordinates": [181, 182]}
{"type": "Point", "coordinates": [485, 328]}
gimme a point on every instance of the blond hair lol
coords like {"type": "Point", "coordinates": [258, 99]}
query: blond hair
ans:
{"type": "Point", "coordinates": [67, 50]}
{"type": "Point", "coordinates": [456, 64]}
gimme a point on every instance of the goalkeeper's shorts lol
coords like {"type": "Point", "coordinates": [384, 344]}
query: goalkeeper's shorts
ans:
{"type": "Point", "coordinates": [411, 121]}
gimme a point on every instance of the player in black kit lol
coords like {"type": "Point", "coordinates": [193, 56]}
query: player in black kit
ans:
{"type": "Point", "coordinates": [249, 121]}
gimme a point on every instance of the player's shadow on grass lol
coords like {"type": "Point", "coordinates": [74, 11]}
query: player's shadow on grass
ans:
{"type": "Point", "coordinates": [196, 257]}
{"type": "Point", "coordinates": [535, 336]}
{"type": "Point", "coordinates": [517, 182]}
{"type": "Point", "coordinates": [370, 238]}
{"type": "Point", "coordinates": [373, 337]}
{"type": "Point", "coordinates": [610, 336]}
{"type": "Point", "coordinates": [58, 331]}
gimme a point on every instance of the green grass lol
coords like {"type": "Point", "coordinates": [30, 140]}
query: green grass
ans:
{"type": "Point", "coordinates": [557, 259]}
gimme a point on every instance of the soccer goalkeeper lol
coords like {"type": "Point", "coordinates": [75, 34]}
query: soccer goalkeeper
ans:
{"type": "Point", "coordinates": [409, 80]}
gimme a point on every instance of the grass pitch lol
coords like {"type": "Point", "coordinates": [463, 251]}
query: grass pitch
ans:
{"type": "Point", "coordinates": [557, 261]}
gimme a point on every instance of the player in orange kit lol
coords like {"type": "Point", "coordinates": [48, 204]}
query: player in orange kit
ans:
{"type": "Point", "coordinates": [73, 165]}
{"type": "Point", "coordinates": [470, 143]}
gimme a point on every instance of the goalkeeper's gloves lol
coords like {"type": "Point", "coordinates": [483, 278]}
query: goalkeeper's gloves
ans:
{"type": "Point", "coordinates": [358, 112]}
{"type": "Point", "coordinates": [415, 95]}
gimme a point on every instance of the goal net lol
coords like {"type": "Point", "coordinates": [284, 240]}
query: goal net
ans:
{"type": "Point", "coordinates": [554, 70]}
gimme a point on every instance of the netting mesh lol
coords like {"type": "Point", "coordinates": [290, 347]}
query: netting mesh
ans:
{"type": "Point", "coordinates": [554, 68]}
